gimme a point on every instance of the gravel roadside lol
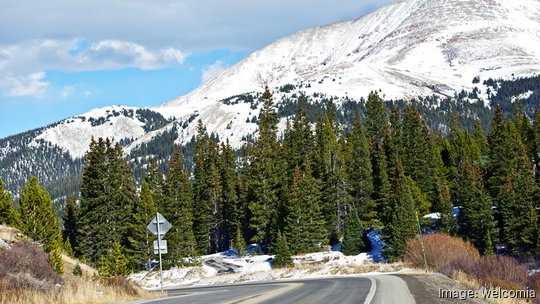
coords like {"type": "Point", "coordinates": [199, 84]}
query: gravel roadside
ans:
{"type": "Point", "coordinates": [425, 288]}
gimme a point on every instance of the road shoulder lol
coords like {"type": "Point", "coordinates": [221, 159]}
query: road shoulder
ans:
{"type": "Point", "coordinates": [425, 288]}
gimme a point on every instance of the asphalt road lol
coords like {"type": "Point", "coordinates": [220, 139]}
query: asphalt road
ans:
{"type": "Point", "coordinates": [377, 289]}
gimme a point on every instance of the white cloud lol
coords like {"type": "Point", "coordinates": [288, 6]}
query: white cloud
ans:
{"type": "Point", "coordinates": [24, 62]}
{"type": "Point", "coordinates": [212, 70]}
{"type": "Point", "coordinates": [87, 94]}
{"type": "Point", "coordinates": [29, 85]}
{"type": "Point", "coordinates": [67, 91]}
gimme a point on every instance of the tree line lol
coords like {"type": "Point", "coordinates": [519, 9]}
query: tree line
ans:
{"type": "Point", "coordinates": [313, 186]}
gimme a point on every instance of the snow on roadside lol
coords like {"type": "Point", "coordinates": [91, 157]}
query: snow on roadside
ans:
{"type": "Point", "coordinates": [258, 268]}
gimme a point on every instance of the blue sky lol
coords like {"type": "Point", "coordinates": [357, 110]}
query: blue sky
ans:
{"type": "Point", "coordinates": [60, 58]}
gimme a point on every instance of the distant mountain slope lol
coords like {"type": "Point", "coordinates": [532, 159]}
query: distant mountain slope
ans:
{"type": "Point", "coordinates": [408, 49]}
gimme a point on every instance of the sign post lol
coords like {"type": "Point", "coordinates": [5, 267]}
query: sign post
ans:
{"type": "Point", "coordinates": [159, 226]}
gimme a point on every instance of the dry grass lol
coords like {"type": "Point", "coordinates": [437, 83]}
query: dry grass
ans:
{"type": "Point", "coordinates": [475, 284]}
{"type": "Point", "coordinates": [27, 277]}
{"type": "Point", "coordinates": [76, 291]}
{"type": "Point", "coordinates": [10, 234]}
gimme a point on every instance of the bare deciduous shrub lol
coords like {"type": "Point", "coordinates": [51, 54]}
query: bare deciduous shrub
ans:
{"type": "Point", "coordinates": [452, 256]}
{"type": "Point", "coordinates": [26, 266]}
{"type": "Point", "coordinates": [441, 249]}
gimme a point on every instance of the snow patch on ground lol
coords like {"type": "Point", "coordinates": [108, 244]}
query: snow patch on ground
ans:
{"type": "Point", "coordinates": [259, 267]}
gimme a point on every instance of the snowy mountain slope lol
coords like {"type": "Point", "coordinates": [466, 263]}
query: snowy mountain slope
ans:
{"type": "Point", "coordinates": [408, 49]}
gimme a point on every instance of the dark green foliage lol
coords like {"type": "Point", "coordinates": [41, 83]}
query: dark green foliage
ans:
{"type": "Point", "coordinates": [8, 214]}
{"type": "Point", "coordinates": [108, 197]}
{"type": "Point", "coordinates": [77, 271]}
{"type": "Point", "coordinates": [282, 254]}
{"type": "Point", "coordinates": [201, 185]}
{"type": "Point", "coordinates": [476, 219]}
{"type": "Point", "coordinates": [419, 158]}
{"type": "Point", "coordinates": [401, 224]}
{"type": "Point", "coordinates": [70, 217]}
{"type": "Point", "coordinates": [140, 246]}
{"type": "Point", "coordinates": [178, 210]}
{"type": "Point", "coordinates": [353, 233]}
{"type": "Point", "coordinates": [359, 173]}
{"type": "Point", "coordinates": [305, 223]}
{"type": "Point", "coordinates": [263, 181]}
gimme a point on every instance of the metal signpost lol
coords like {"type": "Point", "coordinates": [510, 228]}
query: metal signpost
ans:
{"type": "Point", "coordinates": [159, 226]}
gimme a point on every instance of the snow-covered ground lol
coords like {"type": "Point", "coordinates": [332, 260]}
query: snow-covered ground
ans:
{"type": "Point", "coordinates": [259, 268]}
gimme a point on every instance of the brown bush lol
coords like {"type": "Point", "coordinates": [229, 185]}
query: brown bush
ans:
{"type": "Point", "coordinates": [26, 266]}
{"type": "Point", "coordinates": [441, 249]}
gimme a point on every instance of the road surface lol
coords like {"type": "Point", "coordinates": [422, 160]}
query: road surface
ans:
{"type": "Point", "coordinates": [376, 289]}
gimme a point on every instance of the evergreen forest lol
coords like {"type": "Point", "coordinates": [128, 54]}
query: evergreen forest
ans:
{"type": "Point", "coordinates": [312, 186]}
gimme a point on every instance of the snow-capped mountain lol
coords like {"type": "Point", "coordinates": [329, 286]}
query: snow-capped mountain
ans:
{"type": "Point", "coordinates": [408, 49]}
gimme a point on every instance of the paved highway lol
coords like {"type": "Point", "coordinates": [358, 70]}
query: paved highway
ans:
{"type": "Point", "coordinates": [377, 289]}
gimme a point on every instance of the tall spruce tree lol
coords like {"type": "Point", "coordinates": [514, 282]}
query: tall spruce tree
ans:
{"type": "Point", "coordinates": [419, 161]}
{"type": "Point", "coordinates": [476, 219]}
{"type": "Point", "coordinates": [70, 217]}
{"type": "Point", "coordinates": [140, 250]}
{"type": "Point", "coordinates": [8, 214]}
{"type": "Point", "coordinates": [359, 173]}
{"type": "Point", "coordinates": [264, 176]}
{"type": "Point", "coordinates": [231, 217]}
{"type": "Point", "coordinates": [178, 210]}
{"type": "Point", "coordinates": [518, 219]}
{"type": "Point", "coordinates": [108, 195]}
{"type": "Point", "coordinates": [401, 224]}
{"type": "Point", "coordinates": [201, 208]}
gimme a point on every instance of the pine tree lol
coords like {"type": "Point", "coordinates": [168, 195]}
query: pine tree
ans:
{"type": "Point", "coordinates": [8, 214]}
{"type": "Point", "coordinates": [353, 242]}
{"type": "Point", "coordinates": [140, 249]}
{"type": "Point", "coordinates": [113, 264]}
{"type": "Point", "coordinates": [239, 242]}
{"type": "Point", "coordinates": [264, 176]}
{"type": "Point", "coordinates": [419, 158]}
{"type": "Point", "coordinates": [39, 221]}
{"type": "Point", "coordinates": [359, 173]}
{"type": "Point", "coordinates": [476, 219]}
{"type": "Point", "coordinates": [499, 154]}
{"type": "Point", "coordinates": [178, 210]}
{"type": "Point", "coordinates": [401, 224]}
{"type": "Point", "coordinates": [312, 233]}
{"type": "Point", "coordinates": [448, 222]}
{"type": "Point", "coordinates": [91, 237]}
{"type": "Point", "coordinates": [201, 207]}
{"type": "Point", "coordinates": [70, 218]}
{"type": "Point", "coordinates": [516, 199]}
{"type": "Point", "coordinates": [108, 196]}
{"type": "Point", "coordinates": [376, 121]}
{"type": "Point", "coordinates": [282, 253]}
{"type": "Point", "coordinates": [480, 138]}
{"type": "Point", "coordinates": [215, 201]}
{"type": "Point", "coordinates": [231, 210]}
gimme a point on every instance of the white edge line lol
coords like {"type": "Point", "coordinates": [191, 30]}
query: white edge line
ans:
{"type": "Point", "coordinates": [372, 290]}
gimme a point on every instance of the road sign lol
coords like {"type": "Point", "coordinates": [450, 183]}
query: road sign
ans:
{"type": "Point", "coordinates": [162, 246]}
{"type": "Point", "coordinates": [159, 226]}
{"type": "Point", "coordinates": [164, 225]}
